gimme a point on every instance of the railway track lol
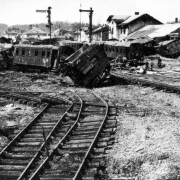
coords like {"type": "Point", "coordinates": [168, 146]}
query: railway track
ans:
{"type": "Point", "coordinates": [29, 144]}
{"type": "Point", "coordinates": [78, 153]}
{"type": "Point", "coordinates": [159, 82]}
{"type": "Point", "coordinates": [67, 140]}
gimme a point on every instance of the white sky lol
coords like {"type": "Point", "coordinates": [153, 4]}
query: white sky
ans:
{"type": "Point", "coordinates": [24, 11]}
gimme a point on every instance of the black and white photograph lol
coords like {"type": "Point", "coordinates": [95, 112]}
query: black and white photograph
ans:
{"type": "Point", "coordinates": [89, 90]}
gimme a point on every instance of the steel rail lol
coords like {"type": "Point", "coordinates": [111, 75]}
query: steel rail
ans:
{"type": "Point", "coordinates": [34, 175]}
{"type": "Point", "coordinates": [23, 131]}
{"type": "Point", "coordinates": [23, 174]}
{"type": "Point", "coordinates": [77, 175]}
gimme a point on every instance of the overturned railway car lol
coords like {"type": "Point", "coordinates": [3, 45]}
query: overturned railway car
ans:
{"type": "Point", "coordinates": [42, 57]}
{"type": "Point", "coordinates": [88, 66]}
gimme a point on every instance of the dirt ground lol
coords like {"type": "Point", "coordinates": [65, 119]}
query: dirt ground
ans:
{"type": "Point", "coordinates": [147, 138]}
{"type": "Point", "coordinates": [148, 134]}
{"type": "Point", "coordinates": [13, 118]}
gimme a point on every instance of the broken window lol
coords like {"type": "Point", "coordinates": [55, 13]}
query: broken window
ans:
{"type": "Point", "coordinates": [36, 52]}
{"type": "Point", "coordinates": [43, 53]}
{"type": "Point", "coordinates": [48, 54]}
{"type": "Point", "coordinates": [17, 52]}
{"type": "Point", "coordinates": [23, 52]}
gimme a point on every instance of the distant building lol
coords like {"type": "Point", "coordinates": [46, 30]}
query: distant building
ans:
{"type": "Point", "coordinates": [101, 33]}
{"type": "Point", "coordinates": [122, 26]}
{"type": "Point", "coordinates": [113, 21]}
{"type": "Point", "coordinates": [82, 34]}
{"type": "Point", "coordinates": [34, 32]}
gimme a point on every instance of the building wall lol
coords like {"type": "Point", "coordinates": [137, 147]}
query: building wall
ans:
{"type": "Point", "coordinates": [105, 35]}
{"type": "Point", "coordinates": [97, 36]}
{"type": "Point", "coordinates": [122, 33]}
{"type": "Point", "coordinates": [113, 33]}
{"type": "Point", "coordinates": [82, 37]}
{"type": "Point", "coordinates": [136, 25]}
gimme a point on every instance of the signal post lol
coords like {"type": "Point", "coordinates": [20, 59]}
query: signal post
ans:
{"type": "Point", "coordinates": [90, 22]}
{"type": "Point", "coordinates": [49, 19]}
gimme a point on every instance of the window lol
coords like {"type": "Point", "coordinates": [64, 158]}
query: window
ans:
{"type": "Point", "coordinates": [43, 53]}
{"type": "Point", "coordinates": [17, 51]}
{"type": "Point", "coordinates": [124, 30]}
{"type": "Point", "coordinates": [112, 30]}
{"type": "Point", "coordinates": [117, 49]}
{"type": "Point", "coordinates": [23, 52]}
{"type": "Point", "coordinates": [48, 53]}
{"type": "Point", "coordinates": [36, 52]}
{"type": "Point", "coordinates": [28, 52]}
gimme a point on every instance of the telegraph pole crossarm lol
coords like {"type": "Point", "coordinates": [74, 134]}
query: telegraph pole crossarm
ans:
{"type": "Point", "coordinates": [90, 22]}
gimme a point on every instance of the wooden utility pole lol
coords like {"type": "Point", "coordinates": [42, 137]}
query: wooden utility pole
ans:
{"type": "Point", "coordinates": [90, 22]}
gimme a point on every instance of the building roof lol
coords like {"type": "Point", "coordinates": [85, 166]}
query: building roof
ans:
{"type": "Point", "coordinates": [100, 29]}
{"type": "Point", "coordinates": [85, 28]}
{"type": "Point", "coordinates": [120, 18]}
{"type": "Point", "coordinates": [117, 18]}
{"type": "Point", "coordinates": [154, 31]}
{"type": "Point", "coordinates": [134, 17]}
{"type": "Point", "coordinates": [12, 32]}
{"type": "Point", "coordinates": [60, 31]}
{"type": "Point", "coordinates": [35, 30]}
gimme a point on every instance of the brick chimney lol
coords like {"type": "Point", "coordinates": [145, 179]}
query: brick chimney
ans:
{"type": "Point", "coordinates": [136, 13]}
{"type": "Point", "coordinates": [176, 20]}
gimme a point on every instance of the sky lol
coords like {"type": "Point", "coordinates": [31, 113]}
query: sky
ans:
{"type": "Point", "coordinates": [14, 12]}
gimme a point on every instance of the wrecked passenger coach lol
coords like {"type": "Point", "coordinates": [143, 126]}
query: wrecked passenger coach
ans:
{"type": "Point", "coordinates": [44, 57]}
{"type": "Point", "coordinates": [88, 66]}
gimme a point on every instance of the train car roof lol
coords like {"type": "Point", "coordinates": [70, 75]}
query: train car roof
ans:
{"type": "Point", "coordinates": [123, 44]}
{"type": "Point", "coordinates": [73, 42]}
{"type": "Point", "coordinates": [117, 43]}
{"type": "Point", "coordinates": [36, 46]}
{"type": "Point", "coordinates": [110, 43]}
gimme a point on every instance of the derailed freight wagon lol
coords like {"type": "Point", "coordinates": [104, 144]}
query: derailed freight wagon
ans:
{"type": "Point", "coordinates": [42, 57]}
{"type": "Point", "coordinates": [170, 48]}
{"type": "Point", "coordinates": [89, 66]}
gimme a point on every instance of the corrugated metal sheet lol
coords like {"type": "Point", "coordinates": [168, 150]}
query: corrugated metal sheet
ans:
{"type": "Point", "coordinates": [154, 31]}
{"type": "Point", "coordinates": [142, 40]}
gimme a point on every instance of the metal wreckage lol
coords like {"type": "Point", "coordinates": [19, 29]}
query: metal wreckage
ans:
{"type": "Point", "coordinates": [89, 66]}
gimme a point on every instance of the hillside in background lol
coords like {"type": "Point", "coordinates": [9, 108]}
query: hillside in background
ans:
{"type": "Point", "coordinates": [58, 24]}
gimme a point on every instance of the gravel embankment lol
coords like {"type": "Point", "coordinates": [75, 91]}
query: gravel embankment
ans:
{"type": "Point", "coordinates": [148, 135]}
